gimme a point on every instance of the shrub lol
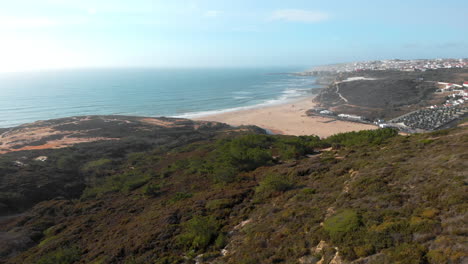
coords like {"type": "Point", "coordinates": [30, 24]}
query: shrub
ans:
{"type": "Point", "coordinates": [342, 224]}
{"type": "Point", "coordinates": [430, 213]}
{"type": "Point", "coordinates": [199, 232]}
{"type": "Point", "coordinates": [218, 204]}
{"type": "Point", "coordinates": [364, 250]}
{"type": "Point", "coordinates": [221, 241]}
{"type": "Point", "coordinates": [61, 256]}
{"type": "Point", "coordinates": [68, 162]}
{"type": "Point", "coordinates": [124, 182]}
{"type": "Point", "coordinates": [426, 141]}
{"type": "Point", "coordinates": [245, 153]}
{"type": "Point", "coordinates": [418, 224]}
{"type": "Point", "coordinates": [437, 256]}
{"type": "Point", "coordinates": [96, 164]}
{"type": "Point", "coordinates": [305, 194]}
{"type": "Point", "coordinates": [152, 189]}
{"type": "Point", "coordinates": [225, 174]}
{"type": "Point", "coordinates": [274, 182]}
{"type": "Point", "coordinates": [366, 137]}
{"type": "Point", "coordinates": [308, 191]}
{"type": "Point", "coordinates": [407, 254]}
{"type": "Point", "coordinates": [180, 196]}
{"type": "Point", "coordinates": [294, 147]}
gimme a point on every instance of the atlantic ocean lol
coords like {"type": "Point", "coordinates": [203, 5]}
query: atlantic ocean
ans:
{"type": "Point", "coordinates": [31, 96]}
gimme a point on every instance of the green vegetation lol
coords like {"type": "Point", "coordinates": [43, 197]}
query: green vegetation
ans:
{"type": "Point", "coordinates": [199, 232]}
{"type": "Point", "coordinates": [360, 138]}
{"type": "Point", "coordinates": [218, 204]}
{"type": "Point", "coordinates": [263, 198]}
{"type": "Point", "coordinates": [342, 224]}
{"type": "Point", "coordinates": [95, 164]}
{"type": "Point", "coordinates": [180, 196]}
{"type": "Point", "coordinates": [124, 182]}
{"type": "Point", "coordinates": [274, 183]}
{"type": "Point", "coordinates": [152, 189]}
{"type": "Point", "coordinates": [61, 256]}
{"type": "Point", "coordinates": [408, 254]}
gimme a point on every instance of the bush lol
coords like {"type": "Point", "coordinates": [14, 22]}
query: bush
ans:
{"type": "Point", "coordinates": [342, 224]}
{"type": "Point", "coordinates": [96, 164]}
{"type": "Point", "coordinates": [180, 196]}
{"type": "Point", "coordinates": [295, 147]}
{"type": "Point", "coordinates": [407, 254]}
{"type": "Point", "coordinates": [152, 189]}
{"type": "Point", "coordinates": [366, 137]}
{"type": "Point", "coordinates": [245, 153]}
{"type": "Point", "coordinates": [68, 162]}
{"type": "Point", "coordinates": [221, 241]}
{"type": "Point", "coordinates": [199, 232]}
{"type": "Point", "coordinates": [305, 194]}
{"type": "Point", "coordinates": [225, 174]}
{"type": "Point", "coordinates": [364, 250]}
{"type": "Point", "coordinates": [61, 256]}
{"type": "Point", "coordinates": [124, 182]}
{"type": "Point", "coordinates": [218, 204]}
{"type": "Point", "coordinates": [274, 183]}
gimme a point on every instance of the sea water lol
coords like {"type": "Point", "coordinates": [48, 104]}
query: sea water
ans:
{"type": "Point", "coordinates": [32, 96]}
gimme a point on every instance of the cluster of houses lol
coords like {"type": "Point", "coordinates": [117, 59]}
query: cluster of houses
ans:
{"type": "Point", "coordinates": [458, 96]}
{"type": "Point", "coordinates": [427, 119]}
{"type": "Point", "coordinates": [430, 118]}
{"type": "Point", "coordinates": [400, 65]}
{"type": "Point", "coordinates": [327, 113]}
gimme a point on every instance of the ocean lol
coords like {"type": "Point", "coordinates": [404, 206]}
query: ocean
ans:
{"type": "Point", "coordinates": [28, 97]}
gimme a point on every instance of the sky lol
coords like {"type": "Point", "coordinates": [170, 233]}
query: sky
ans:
{"type": "Point", "coordinates": [49, 34]}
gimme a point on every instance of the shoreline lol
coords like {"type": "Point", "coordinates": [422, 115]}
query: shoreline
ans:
{"type": "Point", "coordinates": [288, 118]}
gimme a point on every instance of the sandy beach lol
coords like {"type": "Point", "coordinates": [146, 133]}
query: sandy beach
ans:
{"type": "Point", "coordinates": [287, 119]}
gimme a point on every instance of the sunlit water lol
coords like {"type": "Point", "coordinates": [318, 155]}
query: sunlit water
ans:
{"type": "Point", "coordinates": [28, 97]}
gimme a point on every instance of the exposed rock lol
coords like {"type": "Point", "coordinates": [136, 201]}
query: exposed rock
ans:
{"type": "Point", "coordinates": [336, 259]}
{"type": "Point", "coordinates": [41, 158]}
{"type": "Point", "coordinates": [242, 224]}
{"type": "Point", "coordinates": [321, 245]}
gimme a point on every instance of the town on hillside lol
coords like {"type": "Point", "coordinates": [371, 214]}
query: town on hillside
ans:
{"type": "Point", "coordinates": [441, 103]}
{"type": "Point", "coordinates": [396, 64]}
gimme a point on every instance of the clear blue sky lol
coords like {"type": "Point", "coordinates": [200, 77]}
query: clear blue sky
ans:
{"type": "Point", "coordinates": [210, 33]}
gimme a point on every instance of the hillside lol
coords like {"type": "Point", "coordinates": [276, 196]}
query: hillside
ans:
{"type": "Point", "coordinates": [46, 159]}
{"type": "Point", "coordinates": [223, 195]}
{"type": "Point", "coordinates": [386, 94]}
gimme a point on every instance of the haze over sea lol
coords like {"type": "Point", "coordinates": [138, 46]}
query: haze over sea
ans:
{"type": "Point", "coordinates": [28, 97]}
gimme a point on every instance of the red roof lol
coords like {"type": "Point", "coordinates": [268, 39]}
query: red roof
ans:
{"type": "Point", "coordinates": [465, 83]}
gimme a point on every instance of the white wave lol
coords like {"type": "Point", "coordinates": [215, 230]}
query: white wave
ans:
{"type": "Point", "coordinates": [286, 97]}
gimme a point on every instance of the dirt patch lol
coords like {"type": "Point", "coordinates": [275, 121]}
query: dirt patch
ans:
{"type": "Point", "coordinates": [56, 144]}
{"type": "Point", "coordinates": [158, 122]}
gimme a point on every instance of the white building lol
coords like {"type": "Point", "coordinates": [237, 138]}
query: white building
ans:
{"type": "Point", "coordinates": [350, 116]}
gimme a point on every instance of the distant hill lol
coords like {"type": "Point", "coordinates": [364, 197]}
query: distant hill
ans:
{"type": "Point", "coordinates": [387, 94]}
{"type": "Point", "coordinates": [177, 191]}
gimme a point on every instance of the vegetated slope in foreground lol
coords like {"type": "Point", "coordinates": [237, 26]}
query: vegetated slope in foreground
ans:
{"type": "Point", "coordinates": [373, 197]}
{"type": "Point", "coordinates": [50, 158]}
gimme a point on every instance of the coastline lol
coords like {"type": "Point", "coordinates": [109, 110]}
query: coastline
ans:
{"type": "Point", "coordinates": [288, 118]}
